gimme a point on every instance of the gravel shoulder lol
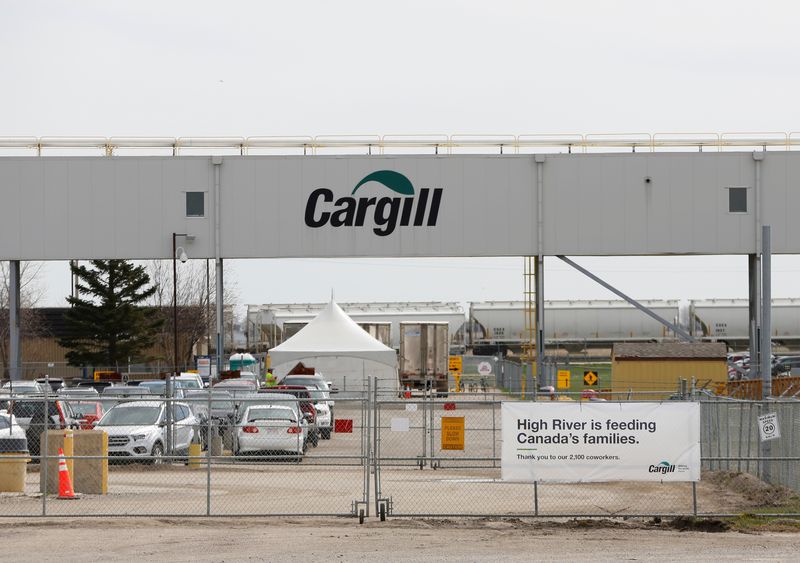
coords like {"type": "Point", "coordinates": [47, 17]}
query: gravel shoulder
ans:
{"type": "Point", "coordinates": [300, 539]}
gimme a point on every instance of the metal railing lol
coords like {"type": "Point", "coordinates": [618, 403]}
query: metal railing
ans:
{"type": "Point", "coordinates": [407, 143]}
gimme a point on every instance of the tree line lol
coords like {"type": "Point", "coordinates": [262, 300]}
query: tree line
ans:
{"type": "Point", "coordinates": [122, 313]}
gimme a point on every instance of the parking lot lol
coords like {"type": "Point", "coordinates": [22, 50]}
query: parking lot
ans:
{"type": "Point", "coordinates": [415, 478]}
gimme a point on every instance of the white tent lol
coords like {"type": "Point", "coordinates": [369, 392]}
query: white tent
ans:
{"type": "Point", "coordinates": [334, 345]}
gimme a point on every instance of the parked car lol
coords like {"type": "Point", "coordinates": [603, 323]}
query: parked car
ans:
{"type": "Point", "coordinates": [159, 387]}
{"type": "Point", "coordinates": [55, 383]}
{"type": "Point", "coordinates": [98, 385]}
{"type": "Point", "coordinates": [252, 377]}
{"type": "Point", "coordinates": [324, 412]}
{"type": "Point", "coordinates": [87, 413]}
{"type": "Point", "coordinates": [307, 406]}
{"type": "Point", "coordinates": [223, 412]}
{"type": "Point", "coordinates": [137, 429]}
{"type": "Point", "coordinates": [785, 365]}
{"type": "Point", "coordinates": [30, 415]}
{"type": "Point", "coordinates": [315, 380]}
{"type": "Point", "coordinates": [237, 386]}
{"type": "Point", "coordinates": [190, 380]}
{"type": "Point", "coordinates": [10, 428]}
{"type": "Point", "coordinates": [31, 408]}
{"type": "Point", "coordinates": [81, 392]}
{"type": "Point", "coordinates": [24, 387]}
{"type": "Point", "coordinates": [272, 429]}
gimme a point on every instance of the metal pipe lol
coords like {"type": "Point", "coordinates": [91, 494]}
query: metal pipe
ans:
{"type": "Point", "coordinates": [673, 327]}
{"type": "Point", "coordinates": [14, 348]}
{"type": "Point", "coordinates": [216, 161]}
{"type": "Point", "coordinates": [766, 313]}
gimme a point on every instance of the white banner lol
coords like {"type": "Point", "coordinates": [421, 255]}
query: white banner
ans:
{"type": "Point", "coordinates": [573, 442]}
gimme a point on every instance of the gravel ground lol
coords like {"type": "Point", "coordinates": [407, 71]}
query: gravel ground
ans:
{"type": "Point", "coordinates": [175, 540]}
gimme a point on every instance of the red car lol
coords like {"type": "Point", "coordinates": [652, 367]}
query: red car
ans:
{"type": "Point", "coordinates": [87, 413]}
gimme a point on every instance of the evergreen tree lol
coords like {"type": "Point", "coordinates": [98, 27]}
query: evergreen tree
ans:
{"type": "Point", "coordinates": [106, 324]}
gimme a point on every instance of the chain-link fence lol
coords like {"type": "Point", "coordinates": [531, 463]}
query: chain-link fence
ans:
{"type": "Point", "coordinates": [732, 442]}
{"type": "Point", "coordinates": [268, 453]}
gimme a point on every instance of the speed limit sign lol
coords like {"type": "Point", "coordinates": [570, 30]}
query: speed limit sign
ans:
{"type": "Point", "coordinates": [768, 426]}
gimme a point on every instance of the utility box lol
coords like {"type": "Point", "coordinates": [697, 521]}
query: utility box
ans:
{"type": "Point", "coordinates": [89, 476]}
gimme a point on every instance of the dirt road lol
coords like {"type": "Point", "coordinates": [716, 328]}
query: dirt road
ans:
{"type": "Point", "coordinates": [142, 539]}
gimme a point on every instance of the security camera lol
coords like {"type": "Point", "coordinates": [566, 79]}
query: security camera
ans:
{"type": "Point", "coordinates": [183, 257]}
{"type": "Point", "coordinates": [647, 179]}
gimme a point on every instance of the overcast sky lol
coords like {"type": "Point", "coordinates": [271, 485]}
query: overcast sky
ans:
{"type": "Point", "coordinates": [200, 68]}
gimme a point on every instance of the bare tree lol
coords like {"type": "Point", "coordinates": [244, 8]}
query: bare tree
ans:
{"type": "Point", "coordinates": [30, 294]}
{"type": "Point", "coordinates": [196, 307]}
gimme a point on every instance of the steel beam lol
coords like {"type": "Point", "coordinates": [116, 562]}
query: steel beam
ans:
{"type": "Point", "coordinates": [673, 327]}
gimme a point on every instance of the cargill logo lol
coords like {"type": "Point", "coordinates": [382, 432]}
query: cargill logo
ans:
{"type": "Point", "coordinates": [663, 467]}
{"type": "Point", "coordinates": [386, 213]}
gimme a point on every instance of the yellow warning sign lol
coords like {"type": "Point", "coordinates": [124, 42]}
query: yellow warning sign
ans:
{"type": "Point", "coordinates": [452, 432]}
{"type": "Point", "coordinates": [455, 364]}
{"type": "Point", "coordinates": [563, 379]}
{"type": "Point", "coordinates": [590, 378]}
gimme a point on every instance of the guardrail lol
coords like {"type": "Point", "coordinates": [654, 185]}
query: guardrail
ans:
{"type": "Point", "coordinates": [400, 144]}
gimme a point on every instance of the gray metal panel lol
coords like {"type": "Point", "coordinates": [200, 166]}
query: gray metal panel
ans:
{"type": "Point", "coordinates": [599, 202]}
{"type": "Point", "coordinates": [485, 210]}
{"type": "Point", "coordinates": [57, 208]}
{"type": "Point", "coordinates": [594, 204]}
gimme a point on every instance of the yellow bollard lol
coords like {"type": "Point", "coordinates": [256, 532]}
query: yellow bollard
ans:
{"type": "Point", "coordinates": [195, 456]}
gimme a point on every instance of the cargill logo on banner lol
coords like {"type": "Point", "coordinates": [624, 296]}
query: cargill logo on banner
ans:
{"type": "Point", "coordinates": [384, 214]}
{"type": "Point", "coordinates": [663, 467]}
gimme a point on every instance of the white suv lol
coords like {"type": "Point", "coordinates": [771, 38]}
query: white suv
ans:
{"type": "Point", "coordinates": [137, 429]}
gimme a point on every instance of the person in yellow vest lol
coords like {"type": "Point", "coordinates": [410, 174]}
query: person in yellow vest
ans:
{"type": "Point", "coordinates": [271, 380]}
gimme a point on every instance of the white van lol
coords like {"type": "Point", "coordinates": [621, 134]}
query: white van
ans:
{"type": "Point", "coordinates": [193, 380]}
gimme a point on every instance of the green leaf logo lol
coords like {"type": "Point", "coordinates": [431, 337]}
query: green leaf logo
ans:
{"type": "Point", "coordinates": [389, 178]}
{"type": "Point", "coordinates": [665, 463]}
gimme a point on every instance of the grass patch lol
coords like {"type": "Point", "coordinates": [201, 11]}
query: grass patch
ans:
{"type": "Point", "coordinates": [756, 521]}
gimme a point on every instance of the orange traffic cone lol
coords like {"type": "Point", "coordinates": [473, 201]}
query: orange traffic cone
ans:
{"type": "Point", "coordinates": [64, 482]}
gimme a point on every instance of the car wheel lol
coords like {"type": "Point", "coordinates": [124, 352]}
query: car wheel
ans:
{"type": "Point", "coordinates": [157, 455]}
{"type": "Point", "coordinates": [326, 433]}
{"type": "Point", "coordinates": [314, 438]}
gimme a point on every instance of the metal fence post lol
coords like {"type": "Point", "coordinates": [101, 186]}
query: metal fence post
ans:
{"type": "Point", "coordinates": [43, 457]}
{"type": "Point", "coordinates": [424, 432]}
{"type": "Point", "coordinates": [209, 438]}
{"type": "Point", "coordinates": [494, 435]}
{"type": "Point", "coordinates": [367, 444]}
{"type": "Point", "coordinates": [376, 442]}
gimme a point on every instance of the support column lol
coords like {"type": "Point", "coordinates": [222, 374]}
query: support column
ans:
{"type": "Point", "coordinates": [766, 314]}
{"type": "Point", "coordinates": [216, 161]}
{"type": "Point", "coordinates": [539, 280]}
{"type": "Point", "coordinates": [754, 304]}
{"type": "Point", "coordinates": [756, 274]}
{"type": "Point", "coordinates": [538, 273]}
{"type": "Point", "coordinates": [14, 348]}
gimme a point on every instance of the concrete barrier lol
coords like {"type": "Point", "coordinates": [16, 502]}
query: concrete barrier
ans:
{"type": "Point", "coordinates": [89, 476]}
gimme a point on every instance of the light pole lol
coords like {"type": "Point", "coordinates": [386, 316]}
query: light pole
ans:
{"type": "Point", "coordinates": [183, 258]}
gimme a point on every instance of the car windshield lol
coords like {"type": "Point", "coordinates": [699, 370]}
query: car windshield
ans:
{"type": "Point", "coordinates": [139, 415]}
{"type": "Point", "coordinates": [188, 383]}
{"type": "Point", "coordinates": [4, 423]}
{"type": "Point", "coordinates": [272, 413]}
{"type": "Point", "coordinates": [155, 387]}
{"type": "Point", "coordinates": [26, 409]}
{"type": "Point", "coordinates": [82, 409]}
{"type": "Point", "coordinates": [219, 402]}
{"type": "Point", "coordinates": [295, 380]}
{"type": "Point", "coordinates": [22, 386]}
{"type": "Point", "coordinates": [318, 394]}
